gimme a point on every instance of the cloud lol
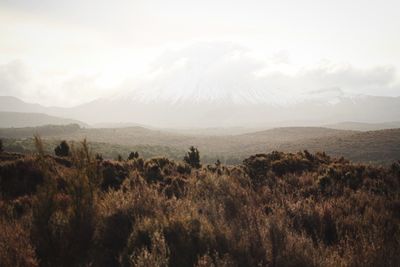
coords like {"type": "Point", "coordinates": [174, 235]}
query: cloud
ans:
{"type": "Point", "coordinates": [13, 78]}
{"type": "Point", "coordinates": [19, 80]}
{"type": "Point", "coordinates": [205, 72]}
{"type": "Point", "coordinates": [228, 72]}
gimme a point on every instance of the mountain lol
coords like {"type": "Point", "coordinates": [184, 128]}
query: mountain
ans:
{"type": "Point", "coordinates": [19, 119]}
{"type": "Point", "coordinates": [190, 113]}
{"type": "Point", "coordinates": [13, 104]}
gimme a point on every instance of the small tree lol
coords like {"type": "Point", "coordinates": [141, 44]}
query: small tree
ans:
{"type": "Point", "coordinates": [62, 150]}
{"type": "Point", "coordinates": [133, 155]}
{"type": "Point", "coordinates": [99, 157]}
{"type": "Point", "coordinates": [193, 157]}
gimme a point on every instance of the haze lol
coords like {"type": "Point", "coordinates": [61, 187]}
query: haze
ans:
{"type": "Point", "coordinates": [225, 53]}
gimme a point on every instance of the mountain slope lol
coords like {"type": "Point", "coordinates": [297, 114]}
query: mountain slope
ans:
{"type": "Point", "coordinates": [19, 119]}
{"type": "Point", "coordinates": [50, 131]}
{"type": "Point", "coordinates": [189, 113]}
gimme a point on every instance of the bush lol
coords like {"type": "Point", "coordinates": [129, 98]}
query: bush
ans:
{"type": "Point", "coordinates": [62, 150]}
{"type": "Point", "coordinates": [156, 256]}
{"type": "Point", "coordinates": [193, 157]}
{"type": "Point", "coordinates": [277, 209]}
{"type": "Point", "coordinates": [111, 236]}
{"type": "Point", "coordinates": [113, 175]}
{"type": "Point", "coordinates": [20, 177]}
{"type": "Point", "coordinates": [133, 155]}
{"type": "Point", "coordinates": [15, 246]}
{"type": "Point", "coordinates": [63, 219]}
{"type": "Point", "coordinates": [99, 157]}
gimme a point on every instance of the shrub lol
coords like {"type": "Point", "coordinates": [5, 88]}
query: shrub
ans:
{"type": "Point", "coordinates": [113, 175]}
{"type": "Point", "coordinates": [99, 157]}
{"type": "Point", "coordinates": [111, 236]}
{"type": "Point", "coordinates": [15, 246]}
{"type": "Point", "coordinates": [183, 168]}
{"type": "Point", "coordinates": [257, 167]}
{"type": "Point", "coordinates": [62, 150]}
{"type": "Point", "coordinates": [193, 157]}
{"type": "Point", "coordinates": [152, 172]}
{"type": "Point", "coordinates": [277, 209]}
{"type": "Point", "coordinates": [133, 155]}
{"type": "Point", "coordinates": [157, 255]}
{"type": "Point", "coordinates": [63, 236]}
{"type": "Point", "coordinates": [20, 177]}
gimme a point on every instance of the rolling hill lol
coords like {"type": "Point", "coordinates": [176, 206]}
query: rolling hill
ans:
{"type": "Point", "coordinates": [20, 119]}
{"type": "Point", "coordinates": [363, 126]}
{"type": "Point", "coordinates": [381, 146]}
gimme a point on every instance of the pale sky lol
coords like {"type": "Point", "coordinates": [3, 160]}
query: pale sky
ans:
{"type": "Point", "coordinates": [70, 52]}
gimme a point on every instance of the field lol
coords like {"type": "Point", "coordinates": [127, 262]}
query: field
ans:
{"type": "Point", "coordinates": [377, 147]}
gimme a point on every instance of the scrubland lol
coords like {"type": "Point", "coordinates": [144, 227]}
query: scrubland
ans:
{"type": "Point", "coordinates": [275, 209]}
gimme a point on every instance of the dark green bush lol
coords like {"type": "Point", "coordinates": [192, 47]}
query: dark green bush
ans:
{"type": "Point", "coordinates": [193, 157]}
{"type": "Point", "coordinates": [133, 155]}
{"type": "Point", "coordinates": [62, 150]}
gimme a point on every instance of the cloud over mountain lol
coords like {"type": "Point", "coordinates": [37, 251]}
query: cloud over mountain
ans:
{"type": "Point", "coordinates": [224, 72]}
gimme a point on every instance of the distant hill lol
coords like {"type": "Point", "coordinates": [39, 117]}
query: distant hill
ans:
{"type": "Point", "coordinates": [20, 119]}
{"type": "Point", "coordinates": [189, 113]}
{"type": "Point", "coordinates": [382, 147]}
{"type": "Point", "coordinates": [373, 146]}
{"type": "Point", "coordinates": [363, 126]}
{"type": "Point", "coordinates": [143, 136]}
{"type": "Point", "coordinates": [50, 131]}
{"type": "Point", "coordinates": [283, 134]}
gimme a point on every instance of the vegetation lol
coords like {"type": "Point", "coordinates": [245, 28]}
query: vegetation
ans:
{"type": "Point", "coordinates": [276, 209]}
{"type": "Point", "coordinates": [62, 150]}
{"type": "Point", "coordinates": [377, 147]}
{"type": "Point", "coordinates": [193, 157]}
{"type": "Point", "coordinates": [133, 155]}
{"type": "Point", "coordinates": [105, 150]}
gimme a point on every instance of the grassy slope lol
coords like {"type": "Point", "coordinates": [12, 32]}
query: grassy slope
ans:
{"type": "Point", "coordinates": [374, 146]}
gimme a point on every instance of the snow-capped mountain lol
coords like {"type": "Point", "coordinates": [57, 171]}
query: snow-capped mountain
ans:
{"type": "Point", "coordinates": [189, 114]}
{"type": "Point", "coordinates": [204, 74]}
{"type": "Point", "coordinates": [214, 85]}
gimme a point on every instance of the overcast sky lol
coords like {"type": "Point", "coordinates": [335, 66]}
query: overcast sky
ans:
{"type": "Point", "coordinates": [70, 52]}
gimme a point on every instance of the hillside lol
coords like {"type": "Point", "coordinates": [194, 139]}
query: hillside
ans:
{"type": "Point", "coordinates": [277, 209]}
{"type": "Point", "coordinates": [363, 126]}
{"type": "Point", "coordinates": [51, 131]}
{"type": "Point", "coordinates": [381, 147]}
{"type": "Point", "coordinates": [372, 146]}
{"type": "Point", "coordinates": [20, 119]}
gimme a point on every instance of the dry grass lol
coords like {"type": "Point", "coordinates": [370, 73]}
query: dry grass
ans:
{"type": "Point", "coordinates": [277, 209]}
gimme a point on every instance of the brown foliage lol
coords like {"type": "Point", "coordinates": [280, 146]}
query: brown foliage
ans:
{"type": "Point", "coordinates": [15, 246]}
{"type": "Point", "coordinates": [277, 209]}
